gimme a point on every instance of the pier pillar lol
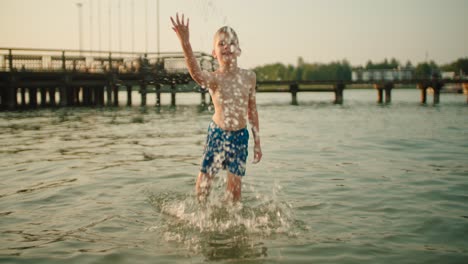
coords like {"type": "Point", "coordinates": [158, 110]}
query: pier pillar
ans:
{"type": "Point", "coordinates": [115, 90]}
{"type": "Point", "coordinates": [173, 95]}
{"type": "Point", "coordinates": [339, 87]}
{"type": "Point", "coordinates": [388, 92]}
{"type": "Point", "coordinates": [379, 93]}
{"type": "Point", "coordinates": [423, 89]}
{"type": "Point", "coordinates": [72, 96]}
{"type": "Point", "coordinates": [109, 94]}
{"type": "Point", "coordinates": [379, 88]}
{"type": "Point", "coordinates": [33, 97]}
{"type": "Point", "coordinates": [129, 95]}
{"type": "Point", "coordinates": [43, 92]}
{"type": "Point", "coordinates": [158, 95]}
{"type": "Point", "coordinates": [465, 90]}
{"type": "Point", "coordinates": [143, 93]}
{"type": "Point", "coordinates": [65, 87]}
{"type": "Point", "coordinates": [99, 95]}
{"type": "Point", "coordinates": [23, 96]}
{"type": "Point", "coordinates": [63, 95]}
{"type": "Point", "coordinates": [436, 95]}
{"type": "Point", "coordinates": [52, 96]}
{"type": "Point", "coordinates": [87, 96]}
{"type": "Point", "coordinates": [203, 98]}
{"type": "Point", "coordinates": [384, 90]}
{"type": "Point", "coordinates": [437, 86]}
{"type": "Point", "coordinates": [11, 98]}
{"type": "Point", "coordinates": [293, 89]}
{"type": "Point", "coordinates": [76, 95]}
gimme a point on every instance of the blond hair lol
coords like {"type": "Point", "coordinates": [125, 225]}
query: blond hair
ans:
{"type": "Point", "coordinates": [228, 31]}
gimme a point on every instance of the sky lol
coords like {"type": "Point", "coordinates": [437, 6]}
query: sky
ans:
{"type": "Point", "coordinates": [270, 31]}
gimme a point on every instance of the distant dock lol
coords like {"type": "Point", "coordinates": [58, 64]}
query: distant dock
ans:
{"type": "Point", "coordinates": [33, 78]}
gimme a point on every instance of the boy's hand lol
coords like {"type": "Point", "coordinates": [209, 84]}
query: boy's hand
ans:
{"type": "Point", "coordinates": [257, 154]}
{"type": "Point", "coordinates": [181, 28]}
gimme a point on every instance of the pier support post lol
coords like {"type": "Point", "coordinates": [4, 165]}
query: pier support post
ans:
{"type": "Point", "coordinates": [388, 92]}
{"type": "Point", "coordinates": [143, 93]}
{"type": "Point", "coordinates": [293, 89]}
{"type": "Point", "coordinates": [73, 96]}
{"type": "Point", "coordinates": [108, 94]}
{"type": "Point", "coordinates": [43, 92]}
{"type": "Point", "coordinates": [52, 96]}
{"type": "Point", "coordinates": [23, 96]}
{"type": "Point", "coordinates": [379, 88]}
{"type": "Point", "coordinates": [33, 97]}
{"type": "Point", "coordinates": [64, 91]}
{"type": "Point", "coordinates": [203, 97]}
{"type": "Point", "coordinates": [11, 98]}
{"type": "Point", "coordinates": [63, 96]}
{"type": "Point", "coordinates": [98, 94]}
{"type": "Point", "coordinates": [87, 96]}
{"type": "Point", "coordinates": [158, 95]}
{"type": "Point", "coordinates": [423, 88]}
{"type": "Point", "coordinates": [436, 86]}
{"type": "Point", "coordinates": [339, 87]}
{"type": "Point", "coordinates": [115, 91]}
{"type": "Point", "coordinates": [436, 95]}
{"type": "Point", "coordinates": [77, 95]}
{"type": "Point", "coordinates": [465, 90]}
{"type": "Point", "coordinates": [129, 95]}
{"type": "Point", "coordinates": [173, 95]}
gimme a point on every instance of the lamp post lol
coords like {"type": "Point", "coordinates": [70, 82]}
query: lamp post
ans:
{"type": "Point", "coordinates": [120, 27]}
{"type": "Point", "coordinates": [157, 24]}
{"type": "Point", "coordinates": [146, 26]}
{"type": "Point", "coordinates": [133, 25]}
{"type": "Point", "coordinates": [91, 25]}
{"type": "Point", "coordinates": [80, 26]}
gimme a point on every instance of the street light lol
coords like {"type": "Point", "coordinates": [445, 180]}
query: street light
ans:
{"type": "Point", "coordinates": [80, 26]}
{"type": "Point", "coordinates": [157, 24]}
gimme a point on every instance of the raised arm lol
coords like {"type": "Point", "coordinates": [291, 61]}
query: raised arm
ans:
{"type": "Point", "coordinates": [253, 119]}
{"type": "Point", "coordinates": [203, 78]}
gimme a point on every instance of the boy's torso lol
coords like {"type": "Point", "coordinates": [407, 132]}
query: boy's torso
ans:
{"type": "Point", "coordinates": [231, 99]}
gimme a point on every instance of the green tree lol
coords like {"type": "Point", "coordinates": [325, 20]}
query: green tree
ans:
{"type": "Point", "coordinates": [426, 70]}
{"type": "Point", "coordinates": [462, 65]}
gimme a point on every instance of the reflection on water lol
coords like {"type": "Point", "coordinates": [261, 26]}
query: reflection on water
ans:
{"type": "Point", "coordinates": [353, 183]}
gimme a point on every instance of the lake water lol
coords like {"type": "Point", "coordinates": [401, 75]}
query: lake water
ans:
{"type": "Point", "coordinates": [352, 183]}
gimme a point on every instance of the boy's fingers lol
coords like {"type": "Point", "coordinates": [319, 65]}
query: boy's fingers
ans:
{"type": "Point", "coordinates": [182, 19]}
{"type": "Point", "coordinates": [177, 17]}
{"type": "Point", "coordinates": [173, 23]}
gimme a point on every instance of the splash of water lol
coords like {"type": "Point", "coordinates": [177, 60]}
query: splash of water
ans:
{"type": "Point", "coordinates": [218, 224]}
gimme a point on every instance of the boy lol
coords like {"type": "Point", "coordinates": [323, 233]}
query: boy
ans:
{"type": "Point", "coordinates": [233, 94]}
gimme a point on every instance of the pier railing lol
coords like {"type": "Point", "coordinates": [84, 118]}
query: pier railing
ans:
{"type": "Point", "coordinates": [43, 77]}
{"type": "Point", "coordinates": [49, 60]}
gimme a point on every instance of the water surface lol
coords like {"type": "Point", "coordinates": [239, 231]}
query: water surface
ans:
{"type": "Point", "coordinates": [352, 183]}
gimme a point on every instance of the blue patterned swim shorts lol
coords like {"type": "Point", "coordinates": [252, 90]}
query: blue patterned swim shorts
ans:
{"type": "Point", "coordinates": [225, 150]}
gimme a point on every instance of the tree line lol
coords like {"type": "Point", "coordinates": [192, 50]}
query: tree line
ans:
{"type": "Point", "coordinates": [342, 70]}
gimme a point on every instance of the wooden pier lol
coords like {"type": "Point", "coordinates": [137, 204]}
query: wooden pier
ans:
{"type": "Point", "coordinates": [384, 88]}
{"type": "Point", "coordinates": [31, 78]}
{"type": "Point", "coordinates": [52, 78]}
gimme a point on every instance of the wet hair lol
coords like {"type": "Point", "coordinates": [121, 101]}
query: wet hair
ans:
{"type": "Point", "coordinates": [227, 30]}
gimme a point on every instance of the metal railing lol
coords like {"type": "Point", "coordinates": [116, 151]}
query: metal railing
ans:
{"type": "Point", "coordinates": [50, 60]}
